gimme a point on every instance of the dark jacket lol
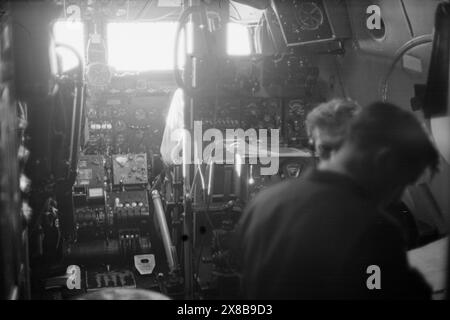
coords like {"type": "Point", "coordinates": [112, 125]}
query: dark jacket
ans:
{"type": "Point", "coordinates": [316, 237]}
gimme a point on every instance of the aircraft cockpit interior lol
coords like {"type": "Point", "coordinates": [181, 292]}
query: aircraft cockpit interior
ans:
{"type": "Point", "coordinates": [139, 138]}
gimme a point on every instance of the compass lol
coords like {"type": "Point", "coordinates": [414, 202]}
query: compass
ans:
{"type": "Point", "coordinates": [98, 75]}
{"type": "Point", "coordinates": [309, 16]}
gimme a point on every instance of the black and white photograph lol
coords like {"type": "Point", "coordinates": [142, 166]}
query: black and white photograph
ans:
{"type": "Point", "coordinates": [224, 155]}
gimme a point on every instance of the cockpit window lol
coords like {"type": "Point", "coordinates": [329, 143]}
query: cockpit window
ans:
{"type": "Point", "coordinates": [141, 46]}
{"type": "Point", "coordinates": [238, 40]}
{"type": "Point", "coordinates": [70, 33]}
{"type": "Point", "coordinates": [149, 46]}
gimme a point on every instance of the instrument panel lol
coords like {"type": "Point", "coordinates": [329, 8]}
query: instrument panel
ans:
{"type": "Point", "coordinates": [130, 169]}
{"type": "Point", "coordinates": [98, 75]}
{"type": "Point", "coordinates": [303, 21]}
{"type": "Point", "coordinates": [287, 115]}
{"type": "Point", "coordinates": [255, 113]}
{"type": "Point", "coordinates": [309, 15]}
{"type": "Point", "coordinates": [262, 114]}
{"type": "Point", "coordinates": [294, 163]}
{"type": "Point", "coordinates": [90, 171]}
{"type": "Point", "coordinates": [121, 124]}
{"type": "Point", "coordinates": [295, 114]}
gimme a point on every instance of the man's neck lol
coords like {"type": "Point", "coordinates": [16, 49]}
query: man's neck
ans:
{"type": "Point", "coordinates": [334, 165]}
{"type": "Point", "coordinates": [342, 164]}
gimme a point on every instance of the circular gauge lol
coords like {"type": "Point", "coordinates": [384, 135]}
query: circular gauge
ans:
{"type": "Point", "coordinates": [309, 16]}
{"type": "Point", "coordinates": [103, 113]}
{"type": "Point", "coordinates": [98, 75]}
{"type": "Point", "coordinates": [91, 113]}
{"type": "Point", "coordinates": [253, 109]}
{"type": "Point", "coordinates": [140, 114]}
{"type": "Point", "coordinates": [120, 125]}
{"type": "Point", "coordinates": [273, 105]}
{"type": "Point", "coordinates": [297, 107]}
{"type": "Point", "coordinates": [119, 112]}
{"type": "Point", "coordinates": [292, 170]}
{"type": "Point", "coordinates": [140, 160]}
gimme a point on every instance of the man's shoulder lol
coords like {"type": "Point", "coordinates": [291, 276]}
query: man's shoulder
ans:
{"type": "Point", "coordinates": [384, 232]}
{"type": "Point", "coordinates": [311, 188]}
{"type": "Point", "coordinates": [386, 223]}
{"type": "Point", "coordinates": [284, 191]}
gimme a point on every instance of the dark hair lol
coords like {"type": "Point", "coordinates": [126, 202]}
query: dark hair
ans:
{"type": "Point", "coordinates": [382, 125]}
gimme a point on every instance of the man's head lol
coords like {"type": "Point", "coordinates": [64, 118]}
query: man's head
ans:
{"type": "Point", "coordinates": [327, 123]}
{"type": "Point", "coordinates": [386, 149]}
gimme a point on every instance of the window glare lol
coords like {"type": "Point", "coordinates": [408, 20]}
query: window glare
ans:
{"type": "Point", "coordinates": [70, 33]}
{"type": "Point", "coordinates": [149, 46]}
{"type": "Point", "coordinates": [141, 46]}
{"type": "Point", "coordinates": [238, 40]}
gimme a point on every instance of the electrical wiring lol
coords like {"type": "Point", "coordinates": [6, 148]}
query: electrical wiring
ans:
{"type": "Point", "coordinates": [143, 9]}
{"type": "Point", "coordinates": [415, 42]}
{"type": "Point", "coordinates": [156, 19]}
{"type": "Point", "coordinates": [163, 17]}
{"type": "Point", "coordinates": [232, 5]}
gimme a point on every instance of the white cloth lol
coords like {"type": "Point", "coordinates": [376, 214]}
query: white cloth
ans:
{"type": "Point", "coordinates": [174, 121]}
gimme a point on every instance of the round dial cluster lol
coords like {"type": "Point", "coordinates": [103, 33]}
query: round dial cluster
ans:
{"type": "Point", "coordinates": [98, 75]}
{"type": "Point", "coordinates": [309, 16]}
